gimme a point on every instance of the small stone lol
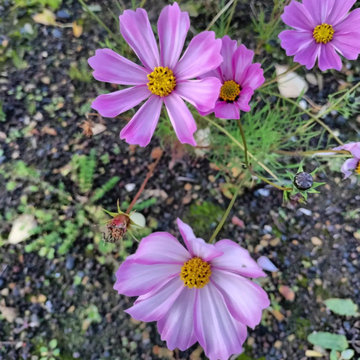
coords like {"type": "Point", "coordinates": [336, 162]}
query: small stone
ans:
{"type": "Point", "coordinates": [316, 241]}
{"type": "Point", "coordinates": [277, 344]}
{"type": "Point", "coordinates": [287, 292]}
{"type": "Point", "coordinates": [130, 187]}
{"type": "Point", "coordinates": [188, 187]}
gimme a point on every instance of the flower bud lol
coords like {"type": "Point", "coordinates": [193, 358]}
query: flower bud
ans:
{"type": "Point", "coordinates": [303, 181]}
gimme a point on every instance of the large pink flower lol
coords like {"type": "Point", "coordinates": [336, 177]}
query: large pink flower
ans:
{"type": "Point", "coordinates": [163, 78]}
{"type": "Point", "coordinates": [351, 164]}
{"type": "Point", "coordinates": [323, 28]}
{"type": "Point", "coordinates": [198, 293]}
{"type": "Point", "coordinates": [239, 78]}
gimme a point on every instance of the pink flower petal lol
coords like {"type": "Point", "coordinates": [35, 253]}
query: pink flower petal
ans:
{"type": "Point", "coordinates": [217, 331]}
{"type": "Point", "coordinates": [241, 60]}
{"type": "Point", "coordinates": [134, 279]}
{"type": "Point", "coordinates": [244, 298]}
{"type": "Point", "coordinates": [339, 11]}
{"type": "Point", "coordinates": [349, 24]}
{"type": "Point", "coordinates": [308, 55]}
{"type": "Point", "coordinates": [319, 10]}
{"type": "Point", "coordinates": [200, 93]}
{"type": "Point", "coordinates": [294, 41]}
{"type": "Point", "coordinates": [154, 307]}
{"type": "Point", "coordinates": [347, 44]}
{"type": "Point", "coordinates": [196, 246]}
{"type": "Point", "coordinates": [142, 126]}
{"type": "Point", "coordinates": [201, 56]}
{"type": "Point", "coordinates": [177, 326]}
{"type": "Point", "coordinates": [173, 26]}
{"type": "Point", "coordinates": [136, 30]}
{"type": "Point", "coordinates": [348, 166]}
{"type": "Point", "coordinates": [224, 110]}
{"type": "Point", "coordinates": [329, 58]}
{"type": "Point", "coordinates": [161, 248]}
{"type": "Point", "coordinates": [228, 49]}
{"type": "Point", "coordinates": [353, 147]}
{"type": "Point", "coordinates": [181, 119]}
{"type": "Point", "coordinates": [236, 259]}
{"type": "Point", "coordinates": [244, 99]}
{"type": "Point", "coordinates": [297, 16]}
{"type": "Point", "coordinates": [117, 102]}
{"type": "Point", "coordinates": [254, 77]}
{"type": "Point", "coordinates": [266, 264]}
{"type": "Point", "coordinates": [113, 68]}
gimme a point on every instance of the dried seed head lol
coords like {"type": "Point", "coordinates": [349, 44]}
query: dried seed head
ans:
{"type": "Point", "coordinates": [303, 181]}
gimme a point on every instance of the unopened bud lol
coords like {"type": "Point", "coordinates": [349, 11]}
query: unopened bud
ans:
{"type": "Point", "coordinates": [303, 181]}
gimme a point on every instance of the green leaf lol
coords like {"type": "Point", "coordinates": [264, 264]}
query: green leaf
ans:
{"type": "Point", "coordinates": [334, 355]}
{"type": "Point", "coordinates": [347, 354]}
{"type": "Point", "coordinates": [345, 307]}
{"type": "Point", "coordinates": [327, 340]}
{"type": "Point", "coordinates": [53, 343]}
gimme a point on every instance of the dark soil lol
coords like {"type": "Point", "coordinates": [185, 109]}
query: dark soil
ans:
{"type": "Point", "coordinates": [315, 246]}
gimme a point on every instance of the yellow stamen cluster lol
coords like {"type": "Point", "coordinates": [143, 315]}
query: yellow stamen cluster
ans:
{"type": "Point", "coordinates": [323, 33]}
{"type": "Point", "coordinates": [161, 81]}
{"type": "Point", "coordinates": [357, 169]}
{"type": "Point", "coordinates": [195, 273]}
{"type": "Point", "coordinates": [229, 91]}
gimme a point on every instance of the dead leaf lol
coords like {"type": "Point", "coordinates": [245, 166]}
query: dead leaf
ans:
{"type": "Point", "coordinates": [156, 153]}
{"type": "Point", "coordinates": [21, 228]}
{"type": "Point", "coordinates": [277, 315]}
{"type": "Point", "coordinates": [202, 138]}
{"type": "Point", "coordinates": [163, 353]}
{"type": "Point", "coordinates": [46, 17]}
{"type": "Point", "coordinates": [48, 130]}
{"type": "Point", "coordinates": [77, 29]}
{"type": "Point", "coordinates": [290, 85]}
{"type": "Point", "coordinates": [287, 293]}
{"type": "Point", "coordinates": [313, 353]}
{"type": "Point", "coordinates": [8, 313]}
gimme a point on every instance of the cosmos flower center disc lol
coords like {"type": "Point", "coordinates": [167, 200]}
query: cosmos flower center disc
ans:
{"type": "Point", "coordinates": [229, 91]}
{"type": "Point", "coordinates": [323, 33]}
{"type": "Point", "coordinates": [161, 81]}
{"type": "Point", "coordinates": [357, 170]}
{"type": "Point", "coordinates": [195, 273]}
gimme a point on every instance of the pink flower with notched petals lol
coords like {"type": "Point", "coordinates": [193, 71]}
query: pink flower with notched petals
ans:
{"type": "Point", "coordinates": [323, 30]}
{"type": "Point", "coordinates": [198, 293]}
{"type": "Point", "coordinates": [239, 78]}
{"type": "Point", "coordinates": [351, 164]}
{"type": "Point", "coordinates": [163, 78]}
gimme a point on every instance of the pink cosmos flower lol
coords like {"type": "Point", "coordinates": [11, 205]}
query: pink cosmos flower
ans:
{"type": "Point", "coordinates": [239, 78]}
{"type": "Point", "coordinates": [323, 28]}
{"type": "Point", "coordinates": [163, 78]}
{"type": "Point", "coordinates": [198, 293]}
{"type": "Point", "coordinates": [351, 164]}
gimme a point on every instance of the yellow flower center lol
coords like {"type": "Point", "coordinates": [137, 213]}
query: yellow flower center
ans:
{"type": "Point", "coordinates": [323, 33]}
{"type": "Point", "coordinates": [195, 273]}
{"type": "Point", "coordinates": [357, 170]}
{"type": "Point", "coordinates": [161, 81]}
{"type": "Point", "coordinates": [229, 91]}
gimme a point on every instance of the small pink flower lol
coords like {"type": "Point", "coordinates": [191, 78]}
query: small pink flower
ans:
{"type": "Point", "coordinates": [239, 78]}
{"type": "Point", "coordinates": [323, 28]}
{"type": "Point", "coordinates": [198, 293]}
{"type": "Point", "coordinates": [163, 78]}
{"type": "Point", "coordinates": [351, 164]}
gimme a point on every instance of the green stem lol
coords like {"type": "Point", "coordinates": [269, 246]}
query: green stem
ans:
{"type": "Point", "coordinates": [226, 214]}
{"type": "Point", "coordinates": [241, 146]}
{"type": "Point", "coordinates": [216, 18]}
{"type": "Point", "coordinates": [244, 142]}
{"type": "Point", "coordinates": [313, 118]}
{"type": "Point", "coordinates": [231, 16]}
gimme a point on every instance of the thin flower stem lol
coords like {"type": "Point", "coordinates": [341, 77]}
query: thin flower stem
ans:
{"type": "Point", "coordinates": [313, 118]}
{"type": "Point", "coordinates": [241, 146]}
{"type": "Point", "coordinates": [231, 16]}
{"type": "Point", "coordinates": [216, 18]}
{"type": "Point", "coordinates": [244, 142]}
{"type": "Point", "coordinates": [142, 187]}
{"type": "Point", "coordinates": [271, 183]}
{"type": "Point", "coordinates": [267, 83]}
{"type": "Point", "coordinates": [226, 214]}
{"type": "Point", "coordinates": [314, 153]}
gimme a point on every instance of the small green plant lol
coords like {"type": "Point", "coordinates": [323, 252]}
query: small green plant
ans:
{"type": "Point", "coordinates": [80, 72]}
{"type": "Point", "coordinates": [51, 351]}
{"type": "Point", "coordinates": [83, 168]}
{"type": "Point", "coordinates": [38, 4]}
